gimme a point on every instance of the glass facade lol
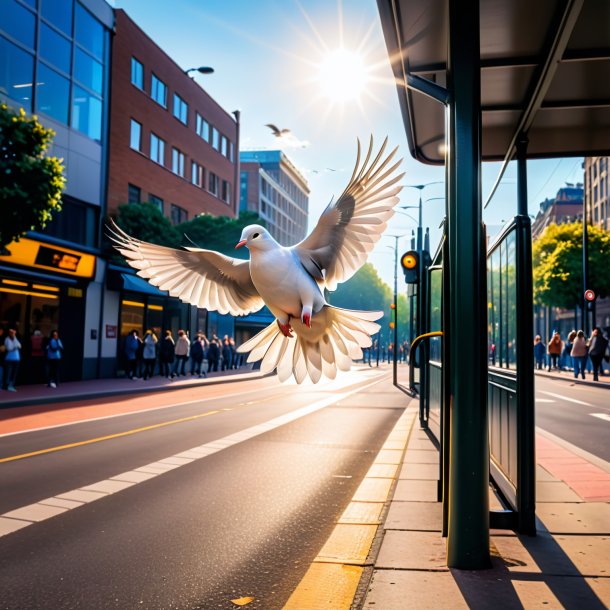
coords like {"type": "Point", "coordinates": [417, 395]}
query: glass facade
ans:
{"type": "Point", "coordinates": [66, 48]}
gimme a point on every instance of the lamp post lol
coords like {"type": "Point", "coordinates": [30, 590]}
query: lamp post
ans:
{"type": "Point", "coordinates": [585, 270]}
{"type": "Point", "coordinates": [201, 70]}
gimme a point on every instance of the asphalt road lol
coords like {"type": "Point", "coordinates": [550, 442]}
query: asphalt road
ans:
{"type": "Point", "coordinates": [579, 414]}
{"type": "Point", "coordinates": [244, 521]}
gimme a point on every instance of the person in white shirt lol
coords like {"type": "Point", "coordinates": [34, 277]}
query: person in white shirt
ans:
{"type": "Point", "coordinates": [12, 357]}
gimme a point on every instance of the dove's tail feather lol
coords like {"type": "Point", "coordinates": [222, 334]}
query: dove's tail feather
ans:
{"type": "Point", "coordinates": [336, 337]}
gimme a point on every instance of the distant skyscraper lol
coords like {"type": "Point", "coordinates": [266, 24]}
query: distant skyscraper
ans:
{"type": "Point", "coordinates": [272, 187]}
{"type": "Point", "coordinates": [596, 191]}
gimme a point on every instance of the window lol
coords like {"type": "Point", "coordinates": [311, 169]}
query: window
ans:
{"type": "Point", "coordinates": [55, 12]}
{"type": "Point", "coordinates": [16, 74]}
{"type": "Point", "coordinates": [52, 94]}
{"type": "Point", "coordinates": [157, 149]}
{"type": "Point", "coordinates": [178, 214]}
{"type": "Point", "coordinates": [137, 73]}
{"type": "Point", "coordinates": [178, 162]}
{"type": "Point", "coordinates": [180, 109]}
{"type": "Point", "coordinates": [202, 128]}
{"type": "Point", "coordinates": [215, 139]}
{"type": "Point", "coordinates": [77, 222]}
{"type": "Point", "coordinates": [231, 152]}
{"type": "Point", "coordinates": [88, 71]}
{"type": "Point", "coordinates": [156, 201]}
{"type": "Point", "coordinates": [136, 135]}
{"type": "Point", "coordinates": [158, 91]}
{"type": "Point", "coordinates": [134, 194]}
{"type": "Point", "coordinates": [196, 174]}
{"type": "Point", "coordinates": [89, 32]}
{"type": "Point", "coordinates": [54, 48]}
{"type": "Point", "coordinates": [213, 183]}
{"type": "Point", "coordinates": [86, 113]}
{"type": "Point", "coordinates": [226, 191]}
{"type": "Point", "coordinates": [224, 149]}
{"type": "Point", "coordinates": [18, 22]}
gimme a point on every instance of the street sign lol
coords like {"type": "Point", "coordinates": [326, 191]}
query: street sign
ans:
{"type": "Point", "coordinates": [589, 295]}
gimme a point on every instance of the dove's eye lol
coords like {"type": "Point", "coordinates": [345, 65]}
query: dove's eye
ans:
{"type": "Point", "coordinates": [255, 235]}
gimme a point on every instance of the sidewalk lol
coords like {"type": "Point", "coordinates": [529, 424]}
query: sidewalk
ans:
{"type": "Point", "coordinates": [97, 388]}
{"type": "Point", "coordinates": [567, 565]}
{"type": "Point", "coordinates": [604, 380]}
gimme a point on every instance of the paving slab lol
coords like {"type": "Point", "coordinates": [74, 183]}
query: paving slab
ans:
{"type": "Point", "coordinates": [422, 516]}
{"type": "Point", "coordinates": [555, 491]}
{"type": "Point", "coordinates": [421, 456]}
{"type": "Point", "coordinates": [543, 475]}
{"type": "Point", "coordinates": [419, 471]}
{"type": "Point", "coordinates": [413, 590]}
{"type": "Point", "coordinates": [584, 518]}
{"type": "Point", "coordinates": [424, 444]}
{"type": "Point", "coordinates": [590, 554]}
{"type": "Point", "coordinates": [412, 551]}
{"type": "Point", "coordinates": [413, 490]}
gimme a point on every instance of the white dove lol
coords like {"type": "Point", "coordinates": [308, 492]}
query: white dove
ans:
{"type": "Point", "coordinates": [290, 281]}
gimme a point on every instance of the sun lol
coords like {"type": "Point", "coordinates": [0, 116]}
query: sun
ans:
{"type": "Point", "coordinates": [343, 76]}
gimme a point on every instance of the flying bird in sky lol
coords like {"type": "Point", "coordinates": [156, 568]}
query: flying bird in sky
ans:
{"type": "Point", "coordinates": [277, 132]}
{"type": "Point", "coordinates": [309, 337]}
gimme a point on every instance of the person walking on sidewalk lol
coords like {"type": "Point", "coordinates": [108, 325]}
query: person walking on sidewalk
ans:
{"type": "Point", "coordinates": [579, 354]}
{"type": "Point", "coordinates": [166, 355]}
{"type": "Point", "coordinates": [597, 348]}
{"type": "Point", "coordinates": [12, 357]}
{"type": "Point", "coordinates": [55, 349]}
{"type": "Point", "coordinates": [149, 354]}
{"type": "Point", "coordinates": [226, 354]}
{"type": "Point", "coordinates": [132, 347]}
{"type": "Point", "coordinates": [182, 354]}
{"type": "Point", "coordinates": [197, 354]}
{"type": "Point", "coordinates": [567, 349]}
{"type": "Point", "coordinates": [213, 355]}
{"type": "Point", "coordinates": [554, 350]}
{"type": "Point", "coordinates": [539, 352]}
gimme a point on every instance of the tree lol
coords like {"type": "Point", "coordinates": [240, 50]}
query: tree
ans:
{"type": "Point", "coordinates": [557, 264]}
{"type": "Point", "coordinates": [31, 183]}
{"type": "Point", "coordinates": [146, 222]}
{"type": "Point", "coordinates": [219, 233]}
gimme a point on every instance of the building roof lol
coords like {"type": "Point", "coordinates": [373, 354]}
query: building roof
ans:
{"type": "Point", "coordinates": [544, 71]}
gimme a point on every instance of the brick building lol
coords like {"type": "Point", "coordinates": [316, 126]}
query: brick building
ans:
{"type": "Point", "coordinates": [566, 206]}
{"type": "Point", "coordinates": [170, 142]}
{"type": "Point", "coordinates": [597, 191]}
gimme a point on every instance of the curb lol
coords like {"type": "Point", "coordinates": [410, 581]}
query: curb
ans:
{"type": "Point", "coordinates": [565, 377]}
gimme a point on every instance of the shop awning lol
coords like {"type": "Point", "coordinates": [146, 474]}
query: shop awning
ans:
{"type": "Point", "coordinates": [134, 283]}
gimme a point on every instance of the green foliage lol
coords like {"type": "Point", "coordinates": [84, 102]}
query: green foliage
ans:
{"type": "Point", "coordinates": [219, 233]}
{"type": "Point", "coordinates": [146, 222]}
{"type": "Point", "coordinates": [557, 264]}
{"type": "Point", "coordinates": [30, 182]}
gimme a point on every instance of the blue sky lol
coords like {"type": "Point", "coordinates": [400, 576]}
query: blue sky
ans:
{"type": "Point", "coordinates": [267, 56]}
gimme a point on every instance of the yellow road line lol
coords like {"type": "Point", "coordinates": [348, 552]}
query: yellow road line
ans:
{"type": "Point", "coordinates": [105, 438]}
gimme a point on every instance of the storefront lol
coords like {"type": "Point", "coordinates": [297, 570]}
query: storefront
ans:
{"type": "Point", "coordinates": [43, 288]}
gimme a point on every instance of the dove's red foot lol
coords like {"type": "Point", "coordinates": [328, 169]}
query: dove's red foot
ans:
{"type": "Point", "coordinates": [307, 319]}
{"type": "Point", "coordinates": [286, 329]}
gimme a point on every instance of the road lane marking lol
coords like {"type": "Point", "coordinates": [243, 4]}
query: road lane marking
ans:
{"type": "Point", "coordinates": [99, 439]}
{"type": "Point", "coordinates": [545, 400]}
{"type": "Point", "coordinates": [562, 397]}
{"type": "Point", "coordinates": [605, 416]}
{"type": "Point", "coordinates": [9, 521]}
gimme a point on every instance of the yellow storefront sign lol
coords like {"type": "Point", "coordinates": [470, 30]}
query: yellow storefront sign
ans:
{"type": "Point", "coordinates": [32, 253]}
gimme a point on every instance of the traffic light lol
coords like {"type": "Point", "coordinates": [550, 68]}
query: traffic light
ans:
{"type": "Point", "coordinates": [410, 265]}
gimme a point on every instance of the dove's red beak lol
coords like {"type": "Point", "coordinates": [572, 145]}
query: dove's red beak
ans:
{"type": "Point", "coordinates": [240, 243]}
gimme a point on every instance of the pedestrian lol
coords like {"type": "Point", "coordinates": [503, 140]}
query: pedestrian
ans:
{"type": "Point", "coordinates": [149, 354]}
{"type": "Point", "coordinates": [166, 354]}
{"type": "Point", "coordinates": [37, 354]}
{"type": "Point", "coordinates": [597, 349]}
{"type": "Point", "coordinates": [213, 355]}
{"type": "Point", "coordinates": [197, 354]}
{"type": "Point", "coordinates": [132, 348]}
{"type": "Point", "coordinates": [12, 358]}
{"type": "Point", "coordinates": [554, 350]}
{"type": "Point", "coordinates": [226, 354]}
{"type": "Point", "coordinates": [233, 353]}
{"type": "Point", "coordinates": [567, 350]}
{"type": "Point", "coordinates": [539, 351]}
{"type": "Point", "coordinates": [579, 354]}
{"type": "Point", "coordinates": [55, 350]}
{"type": "Point", "coordinates": [2, 355]}
{"type": "Point", "coordinates": [182, 354]}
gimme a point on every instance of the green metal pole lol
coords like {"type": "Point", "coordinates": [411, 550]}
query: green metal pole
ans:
{"type": "Point", "coordinates": [468, 528]}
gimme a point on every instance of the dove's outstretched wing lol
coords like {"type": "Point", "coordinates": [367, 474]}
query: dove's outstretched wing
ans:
{"type": "Point", "coordinates": [350, 227]}
{"type": "Point", "coordinates": [200, 277]}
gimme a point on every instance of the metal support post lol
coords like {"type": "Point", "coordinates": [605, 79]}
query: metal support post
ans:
{"type": "Point", "coordinates": [395, 351]}
{"type": "Point", "coordinates": [468, 531]}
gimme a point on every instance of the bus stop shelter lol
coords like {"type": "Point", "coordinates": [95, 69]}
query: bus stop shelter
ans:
{"type": "Point", "coordinates": [495, 80]}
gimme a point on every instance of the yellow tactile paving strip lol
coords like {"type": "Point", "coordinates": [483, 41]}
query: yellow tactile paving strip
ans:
{"type": "Point", "coordinates": [332, 579]}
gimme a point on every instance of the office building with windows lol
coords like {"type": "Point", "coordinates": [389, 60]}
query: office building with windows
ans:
{"type": "Point", "coordinates": [273, 187]}
{"type": "Point", "coordinates": [597, 193]}
{"type": "Point", "coordinates": [566, 206]}
{"type": "Point", "coordinates": [54, 62]}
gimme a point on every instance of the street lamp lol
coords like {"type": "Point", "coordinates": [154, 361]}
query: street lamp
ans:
{"type": "Point", "coordinates": [201, 70]}
{"type": "Point", "coordinates": [420, 188]}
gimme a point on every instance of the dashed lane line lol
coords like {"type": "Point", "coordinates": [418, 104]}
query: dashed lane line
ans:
{"type": "Point", "coordinates": [61, 503]}
{"type": "Point", "coordinates": [562, 397]}
{"type": "Point", "coordinates": [605, 416]}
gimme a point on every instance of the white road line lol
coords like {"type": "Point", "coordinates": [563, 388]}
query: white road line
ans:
{"type": "Point", "coordinates": [605, 416]}
{"type": "Point", "coordinates": [544, 400]}
{"type": "Point", "coordinates": [562, 397]}
{"type": "Point", "coordinates": [27, 515]}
